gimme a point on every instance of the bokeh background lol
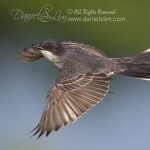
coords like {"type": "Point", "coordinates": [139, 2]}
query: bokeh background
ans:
{"type": "Point", "coordinates": [121, 121]}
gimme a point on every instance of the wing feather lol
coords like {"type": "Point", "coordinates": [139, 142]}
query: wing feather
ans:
{"type": "Point", "coordinates": [68, 100]}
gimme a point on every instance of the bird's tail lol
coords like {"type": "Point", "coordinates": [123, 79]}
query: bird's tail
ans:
{"type": "Point", "coordinates": [138, 66]}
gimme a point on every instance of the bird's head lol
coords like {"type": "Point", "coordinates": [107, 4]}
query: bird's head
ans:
{"type": "Point", "coordinates": [50, 49]}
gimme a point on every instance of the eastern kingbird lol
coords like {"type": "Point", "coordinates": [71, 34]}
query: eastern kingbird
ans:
{"type": "Point", "coordinates": [83, 80]}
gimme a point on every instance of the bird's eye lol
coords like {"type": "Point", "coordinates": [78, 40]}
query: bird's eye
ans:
{"type": "Point", "coordinates": [50, 47]}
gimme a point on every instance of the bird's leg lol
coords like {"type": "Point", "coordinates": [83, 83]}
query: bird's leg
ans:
{"type": "Point", "coordinates": [110, 78]}
{"type": "Point", "coordinates": [110, 92]}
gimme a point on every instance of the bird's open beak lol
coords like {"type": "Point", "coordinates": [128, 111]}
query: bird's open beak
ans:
{"type": "Point", "coordinates": [37, 47]}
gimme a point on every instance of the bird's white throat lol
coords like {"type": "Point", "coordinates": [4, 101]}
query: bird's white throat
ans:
{"type": "Point", "coordinates": [50, 56]}
{"type": "Point", "coordinates": [53, 58]}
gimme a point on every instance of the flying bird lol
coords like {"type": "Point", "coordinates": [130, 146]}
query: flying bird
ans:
{"type": "Point", "coordinates": [83, 80]}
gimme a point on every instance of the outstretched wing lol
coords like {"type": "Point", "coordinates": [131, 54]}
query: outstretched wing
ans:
{"type": "Point", "coordinates": [71, 95]}
{"type": "Point", "coordinates": [30, 54]}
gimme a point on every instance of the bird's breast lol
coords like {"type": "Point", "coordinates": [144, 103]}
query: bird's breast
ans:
{"type": "Point", "coordinates": [59, 65]}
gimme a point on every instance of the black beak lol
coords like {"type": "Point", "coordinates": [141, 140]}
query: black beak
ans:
{"type": "Point", "coordinates": [37, 47]}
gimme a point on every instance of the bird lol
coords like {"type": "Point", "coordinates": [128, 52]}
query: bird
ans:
{"type": "Point", "coordinates": [83, 81]}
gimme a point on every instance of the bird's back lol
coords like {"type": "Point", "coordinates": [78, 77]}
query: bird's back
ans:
{"type": "Point", "coordinates": [80, 46]}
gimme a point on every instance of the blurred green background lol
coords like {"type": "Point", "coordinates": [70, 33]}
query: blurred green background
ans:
{"type": "Point", "coordinates": [120, 122]}
{"type": "Point", "coordinates": [119, 38]}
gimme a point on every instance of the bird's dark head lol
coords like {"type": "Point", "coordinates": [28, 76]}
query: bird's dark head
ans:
{"type": "Point", "coordinates": [52, 46]}
{"type": "Point", "coordinates": [50, 49]}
